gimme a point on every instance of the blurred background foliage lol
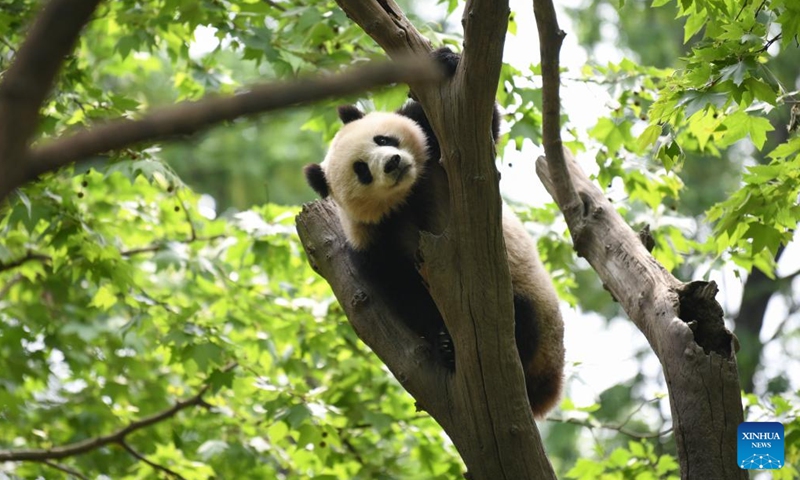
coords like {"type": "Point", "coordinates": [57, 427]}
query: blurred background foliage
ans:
{"type": "Point", "coordinates": [148, 275]}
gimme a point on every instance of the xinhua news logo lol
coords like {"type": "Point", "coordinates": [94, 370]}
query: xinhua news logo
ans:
{"type": "Point", "coordinates": [760, 445]}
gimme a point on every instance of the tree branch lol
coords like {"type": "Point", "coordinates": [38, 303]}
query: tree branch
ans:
{"type": "Point", "coordinates": [405, 354]}
{"type": "Point", "coordinates": [682, 322]}
{"type": "Point", "coordinates": [152, 248]}
{"type": "Point", "coordinates": [550, 39]}
{"type": "Point", "coordinates": [29, 257]}
{"type": "Point", "coordinates": [618, 428]}
{"type": "Point", "coordinates": [485, 25]}
{"type": "Point", "coordinates": [65, 469]}
{"type": "Point", "coordinates": [84, 446]}
{"type": "Point", "coordinates": [386, 23]}
{"type": "Point", "coordinates": [475, 296]}
{"type": "Point", "coordinates": [191, 117]}
{"type": "Point", "coordinates": [144, 459]}
{"type": "Point", "coordinates": [29, 79]}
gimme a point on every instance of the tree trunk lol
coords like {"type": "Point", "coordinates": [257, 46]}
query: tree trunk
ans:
{"type": "Point", "coordinates": [482, 406]}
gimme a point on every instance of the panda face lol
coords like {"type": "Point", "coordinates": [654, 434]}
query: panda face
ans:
{"type": "Point", "coordinates": [373, 163]}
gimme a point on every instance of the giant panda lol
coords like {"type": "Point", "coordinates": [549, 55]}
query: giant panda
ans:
{"type": "Point", "coordinates": [380, 170]}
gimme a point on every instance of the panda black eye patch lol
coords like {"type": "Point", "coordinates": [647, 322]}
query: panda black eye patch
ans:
{"type": "Point", "coordinates": [362, 172]}
{"type": "Point", "coordinates": [386, 140]}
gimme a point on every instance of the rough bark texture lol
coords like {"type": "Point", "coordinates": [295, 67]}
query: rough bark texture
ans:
{"type": "Point", "coordinates": [483, 405]}
{"type": "Point", "coordinates": [682, 322]}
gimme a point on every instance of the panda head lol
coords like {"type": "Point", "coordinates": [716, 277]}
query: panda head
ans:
{"type": "Point", "coordinates": [371, 166]}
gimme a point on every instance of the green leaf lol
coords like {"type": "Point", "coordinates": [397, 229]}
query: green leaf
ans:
{"type": "Point", "coordinates": [693, 25]}
{"type": "Point", "coordinates": [764, 236]}
{"type": "Point", "coordinates": [104, 298]}
{"type": "Point", "coordinates": [740, 124]}
{"type": "Point", "coordinates": [761, 90]}
{"type": "Point", "coordinates": [735, 72]}
{"type": "Point", "coordinates": [648, 137]}
{"type": "Point", "coordinates": [637, 450]}
{"type": "Point", "coordinates": [205, 355]}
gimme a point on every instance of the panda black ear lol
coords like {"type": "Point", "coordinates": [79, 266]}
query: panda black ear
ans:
{"type": "Point", "coordinates": [349, 113]}
{"type": "Point", "coordinates": [315, 177]}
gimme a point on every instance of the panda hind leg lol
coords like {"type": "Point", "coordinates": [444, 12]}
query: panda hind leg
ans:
{"type": "Point", "coordinates": [543, 368]}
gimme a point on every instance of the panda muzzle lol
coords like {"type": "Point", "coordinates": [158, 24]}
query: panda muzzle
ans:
{"type": "Point", "coordinates": [392, 164]}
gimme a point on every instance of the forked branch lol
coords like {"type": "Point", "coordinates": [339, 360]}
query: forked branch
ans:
{"type": "Point", "coordinates": [682, 322]}
{"type": "Point", "coordinates": [482, 406]}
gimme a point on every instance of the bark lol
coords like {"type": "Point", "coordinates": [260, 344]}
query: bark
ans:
{"type": "Point", "coordinates": [682, 322]}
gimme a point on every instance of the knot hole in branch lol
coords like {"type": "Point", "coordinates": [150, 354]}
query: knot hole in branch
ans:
{"type": "Point", "coordinates": [586, 203]}
{"type": "Point", "coordinates": [359, 299]}
{"type": "Point", "coordinates": [701, 311]}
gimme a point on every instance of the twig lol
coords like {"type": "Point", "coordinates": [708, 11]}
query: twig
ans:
{"type": "Point", "coordinates": [352, 448]}
{"type": "Point", "coordinates": [191, 117]}
{"type": "Point", "coordinates": [29, 257]}
{"type": "Point", "coordinates": [618, 428]}
{"type": "Point", "coordinates": [745, 3]}
{"type": "Point", "coordinates": [275, 5]}
{"type": "Point", "coordinates": [30, 77]}
{"type": "Point", "coordinates": [155, 247]}
{"type": "Point", "coordinates": [779, 330]}
{"type": "Point", "coordinates": [66, 469]}
{"type": "Point", "coordinates": [636, 410]}
{"type": "Point", "coordinates": [8, 44]}
{"type": "Point", "coordinates": [758, 10]}
{"type": "Point", "coordinates": [770, 42]}
{"type": "Point", "coordinates": [14, 280]}
{"type": "Point", "coordinates": [90, 444]}
{"type": "Point", "coordinates": [193, 236]}
{"type": "Point", "coordinates": [144, 459]}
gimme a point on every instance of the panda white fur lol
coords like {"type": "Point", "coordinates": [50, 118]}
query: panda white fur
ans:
{"type": "Point", "coordinates": [379, 171]}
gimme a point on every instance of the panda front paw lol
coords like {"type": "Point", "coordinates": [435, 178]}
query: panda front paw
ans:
{"type": "Point", "coordinates": [445, 349]}
{"type": "Point", "coordinates": [448, 59]}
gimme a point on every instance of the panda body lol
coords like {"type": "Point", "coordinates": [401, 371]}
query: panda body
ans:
{"type": "Point", "coordinates": [381, 170]}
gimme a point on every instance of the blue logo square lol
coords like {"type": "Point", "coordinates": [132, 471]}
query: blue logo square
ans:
{"type": "Point", "coordinates": [759, 445]}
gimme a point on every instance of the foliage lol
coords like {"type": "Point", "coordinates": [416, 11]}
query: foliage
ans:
{"type": "Point", "coordinates": [124, 291]}
{"type": "Point", "coordinates": [120, 298]}
{"type": "Point", "coordinates": [638, 461]}
{"type": "Point", "coordinates": [724, 93]}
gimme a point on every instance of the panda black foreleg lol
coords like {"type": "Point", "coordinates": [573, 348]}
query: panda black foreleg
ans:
{"type": "Point", "coordinates": [448, 59]}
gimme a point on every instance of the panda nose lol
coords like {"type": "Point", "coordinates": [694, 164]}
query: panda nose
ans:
{"type": "Point", "coordinates": [392, 164]}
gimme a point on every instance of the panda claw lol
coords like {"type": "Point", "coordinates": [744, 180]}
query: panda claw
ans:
{"type": "Point", "coordinates": [444, 344]}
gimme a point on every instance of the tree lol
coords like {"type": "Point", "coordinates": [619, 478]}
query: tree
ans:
{"type": "Point", "coordinates": [189, 293]}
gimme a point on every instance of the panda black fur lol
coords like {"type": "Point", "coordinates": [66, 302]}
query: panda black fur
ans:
{"type": "Point", "coordinates": [379, 170]}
